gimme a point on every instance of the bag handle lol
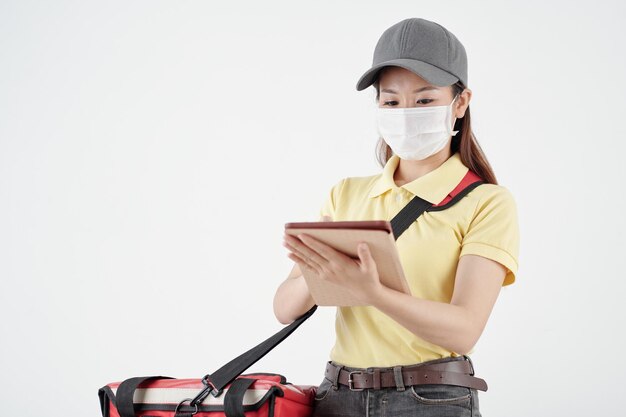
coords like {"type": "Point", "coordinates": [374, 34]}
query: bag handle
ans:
{"type": "Point", "coordinates": [125, 393]}
{"type": "Point", "coordinates": [233, 400]}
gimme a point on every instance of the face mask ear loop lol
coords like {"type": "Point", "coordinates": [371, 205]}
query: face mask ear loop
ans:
{"type": "Point", "coordinates": [453, 123]}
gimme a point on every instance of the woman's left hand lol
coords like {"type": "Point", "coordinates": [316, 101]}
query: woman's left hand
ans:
{"type": "Point", "coordinates": [358, 276]}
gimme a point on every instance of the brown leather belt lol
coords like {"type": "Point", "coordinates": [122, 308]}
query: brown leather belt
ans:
{"type": "Point", "coordinates": [440, 371]}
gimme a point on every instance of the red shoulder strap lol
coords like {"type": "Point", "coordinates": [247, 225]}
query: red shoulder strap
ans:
{"type": "Point", "coordinates": [469, 178]}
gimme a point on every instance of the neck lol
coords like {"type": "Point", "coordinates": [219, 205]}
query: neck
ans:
{"type": "Point", "coordinates": [408, 170]}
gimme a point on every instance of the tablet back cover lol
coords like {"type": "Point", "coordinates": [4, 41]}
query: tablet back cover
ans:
{"type": "Point", "coordinates": [384, 251]}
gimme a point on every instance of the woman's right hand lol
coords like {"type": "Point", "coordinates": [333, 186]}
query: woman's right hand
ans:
{"type": "Point", "coordinates": [292, 298]}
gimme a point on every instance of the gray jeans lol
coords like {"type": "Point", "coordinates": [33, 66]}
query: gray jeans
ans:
{"type": "Point", "coordinates": [428, 400]}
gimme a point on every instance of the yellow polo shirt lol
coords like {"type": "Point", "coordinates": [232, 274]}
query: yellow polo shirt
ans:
{"type": "Point", "coordinates": [484, 223]}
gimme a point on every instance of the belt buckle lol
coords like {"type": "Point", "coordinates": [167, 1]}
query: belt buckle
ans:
{"type": "Point", "coordinates": [351, 381]}
{"type": "Point", "coordinates": [471, 364]}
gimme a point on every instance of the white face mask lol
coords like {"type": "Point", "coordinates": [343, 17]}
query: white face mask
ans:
{"type": "Point", "coordinates": [416, 132]}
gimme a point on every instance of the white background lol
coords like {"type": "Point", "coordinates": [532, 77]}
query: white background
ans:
{"type": "Point", "coordinates": [151, 152]}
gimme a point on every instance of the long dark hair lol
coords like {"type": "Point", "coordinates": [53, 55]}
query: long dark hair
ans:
{"type": "Point", "coordinates": [471, 153]}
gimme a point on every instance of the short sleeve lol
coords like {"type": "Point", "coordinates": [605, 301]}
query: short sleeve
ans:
{"type": "Point", "coordinates": [494, 232]}
{"type": "Point", "coordinates": [329, 205]}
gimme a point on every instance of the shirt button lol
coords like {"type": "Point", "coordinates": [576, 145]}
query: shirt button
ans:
{"type": "Point", "coordinates": [399, 197]}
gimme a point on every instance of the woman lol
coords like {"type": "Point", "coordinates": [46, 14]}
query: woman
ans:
{"type": "Point", "coordinates": [455, 260]}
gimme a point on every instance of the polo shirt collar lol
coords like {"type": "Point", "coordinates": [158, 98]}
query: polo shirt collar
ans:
{"type": "Point", "coordinates": [432, 187]}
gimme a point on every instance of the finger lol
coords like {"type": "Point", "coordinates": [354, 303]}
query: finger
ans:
{"type": "Point", "coordinates": [295, 258]}
{"type": "Point", "coordinates": [365, 255]}
{"type": "Point", "coordinates": [328, 253]}
{"type": "Point", "coordinates": [301, 262]}
{"type": "Point", "coordinates": [302, 252]}
{"type": "Point", "coordinates": [305, 251]}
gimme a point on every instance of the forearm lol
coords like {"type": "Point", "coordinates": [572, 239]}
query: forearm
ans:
{"type": "Point", "coordinates": [443, 324]}
{"type": "Point", "coordinates": [292, 300]}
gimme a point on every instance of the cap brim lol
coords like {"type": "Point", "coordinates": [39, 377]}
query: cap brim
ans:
{"type": "Point", "coordinates": [430, 73]}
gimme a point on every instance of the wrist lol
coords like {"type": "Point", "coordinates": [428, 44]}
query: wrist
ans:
{"type": "Point", "coordinates": [375, 294]}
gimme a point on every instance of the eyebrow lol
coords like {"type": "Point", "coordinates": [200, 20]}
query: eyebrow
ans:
{"type": "Point", "coordinates": [388, 90]}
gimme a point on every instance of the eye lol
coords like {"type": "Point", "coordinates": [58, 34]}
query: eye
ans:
{"type": "Point", "coordinates": [422, 101]}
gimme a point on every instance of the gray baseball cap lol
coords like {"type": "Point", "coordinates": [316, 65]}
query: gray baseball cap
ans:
{"type": "Point", "coordinates": [423, 47]}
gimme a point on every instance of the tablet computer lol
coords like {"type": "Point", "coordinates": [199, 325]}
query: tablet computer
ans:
{"type": "Point", "coordinates": [344, 236]}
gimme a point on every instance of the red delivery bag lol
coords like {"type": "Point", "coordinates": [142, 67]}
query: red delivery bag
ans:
{"type": "Point", "coordinates": [256, 395]}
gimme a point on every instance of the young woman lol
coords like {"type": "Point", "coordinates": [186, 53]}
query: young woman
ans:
{"type": "Point", "coordinates": [455, 260]}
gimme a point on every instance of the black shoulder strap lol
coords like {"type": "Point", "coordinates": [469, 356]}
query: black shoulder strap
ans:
{"type": "Point", "coordinates": [418, 205]}
{"type": "Point", "coordinates": [218, 380]}
{"type": "Point", "coordinates": [408, 215]}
